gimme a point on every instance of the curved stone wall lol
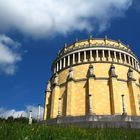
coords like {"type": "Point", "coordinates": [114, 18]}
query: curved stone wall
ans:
{"type": "Point", "coordinates": [101, 80]}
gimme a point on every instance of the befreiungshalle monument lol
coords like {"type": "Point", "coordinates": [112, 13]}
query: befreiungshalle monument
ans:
{"type": "Point", "coordinates": [95, 82]}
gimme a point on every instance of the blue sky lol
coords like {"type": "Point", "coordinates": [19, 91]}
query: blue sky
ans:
{"type": "Point", "coordinates": [32, 33]}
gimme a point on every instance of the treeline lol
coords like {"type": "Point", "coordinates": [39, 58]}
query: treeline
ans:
{"type": "Point", "coordinates": [11, 119]}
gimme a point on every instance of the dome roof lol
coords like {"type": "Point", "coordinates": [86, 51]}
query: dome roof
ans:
{"type": "Point", "coordinates": [96, 42]}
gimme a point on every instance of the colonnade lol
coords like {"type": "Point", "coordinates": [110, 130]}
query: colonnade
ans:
{"type": "Point", "coordinates": [96, 55]}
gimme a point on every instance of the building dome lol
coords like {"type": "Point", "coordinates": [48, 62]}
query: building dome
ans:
{"type": "Point", "coordinates": [95, 76]}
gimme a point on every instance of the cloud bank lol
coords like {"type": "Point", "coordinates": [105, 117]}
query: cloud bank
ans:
{"type": "Point", "coordinates": [9, 55]}
{"type": "Point", "coordinates": [4, 113]}
{"type": "Point", "coordinates": [41, 18]}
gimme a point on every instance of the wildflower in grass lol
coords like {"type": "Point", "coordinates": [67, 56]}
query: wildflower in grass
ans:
{"type": "Point", "coordinates": [26, 138]}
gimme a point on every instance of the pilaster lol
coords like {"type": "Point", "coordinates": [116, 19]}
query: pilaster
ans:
{"type": "Point", "coordinates": [113, 90]}
{"type": "Point", "coordinates": [132, 92]}
{"type": "Point", "coordinates": [46, 105]}
{"type": "Point", "coordinates": [133, 97]}
{"type": "Point", "coordinates": [70, 90]}
{"type": "Point", "coordinates": [54, 101]}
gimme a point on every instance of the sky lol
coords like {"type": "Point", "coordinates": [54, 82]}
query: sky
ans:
{"type": "Point", "coordinates": [32, 32]}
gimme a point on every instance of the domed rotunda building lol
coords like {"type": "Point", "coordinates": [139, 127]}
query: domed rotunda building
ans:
{"type": "Point", "coordinates": [94, 80]}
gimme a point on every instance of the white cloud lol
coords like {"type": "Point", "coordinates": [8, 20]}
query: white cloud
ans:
{"type": "Point", "coordinates": [40, 18]}
{"type": "Point", "coordinates": [7, 113]}
{"type": "Point", "coordinates": [9, 55]}
{"type": "Point", "coordinates": [4, 113]}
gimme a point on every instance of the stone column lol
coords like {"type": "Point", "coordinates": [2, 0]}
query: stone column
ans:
{"type": "Point", "coordinates": [90, 104]}
{"type": "Point", "coordinates": [109, 56]}
{"type": "Point", "coordinates": [138, 67]}
{"type": "Point", "coordinates": [132, 62]}
{"type": "Point", "coordinates": [120, 55]}
{"type": "Point", "coordinates": [123, 106]}
{"type": "Point", "coordinates": [129, 60]}
{"type": "Point", "coordinates": [135, 64]}
{"type": "Point", "coordinates": [85, 56]}
{"type": "Point", "coordinates": [97, 56]}
{"type": "Point", "coordinates": [115, 57]}
{"type": "Point", "coordinates": [73, 58]}
{"type": "Point", "coordinates": [91, 56]}
{"type": "Point", "coordinates": [68, 60]}
{"type": "Point", "coordinates": [91, 84]}
{"type": "Point", "coordinates": [103, 55]}
{"type": "Point", "coordinates": [64, 62]}
{"type": "Point", "coordinates": [45, 109]}
{"type": "Point", "coordinates": [60, 64]}
{"type": "Point", "coordinates": [54, 71]}
{"type": "Point", "coordinates": [57, 67]}
{"type": "Point", "coordinates": [30, 117]}
{"type": "Point", "coordinates": [38, 115]}
{"type": "Point", "coordinates": [59, 108]}
{"type": "Point", "coordinates": [125, 59]}
{"type": "Point", "coordinates": [79, 57]}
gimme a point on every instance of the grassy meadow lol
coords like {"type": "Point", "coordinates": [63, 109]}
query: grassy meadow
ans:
{"type": "Point", "coordinates": [20, 130]}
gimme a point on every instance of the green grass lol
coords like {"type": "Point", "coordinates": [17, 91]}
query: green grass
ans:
{"type": "Point", "coordinates": [22, 131]}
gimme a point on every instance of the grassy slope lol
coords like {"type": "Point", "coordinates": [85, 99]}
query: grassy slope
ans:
{"type": "Point", "coordinates": [22, 131]}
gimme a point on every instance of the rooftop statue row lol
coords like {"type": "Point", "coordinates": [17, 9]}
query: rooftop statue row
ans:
{"type": "Point", "coordinates": [93, 42]}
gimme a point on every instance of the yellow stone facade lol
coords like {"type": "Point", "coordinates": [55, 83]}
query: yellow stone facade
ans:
{"type": "Point", "coordinates": [94, 76]}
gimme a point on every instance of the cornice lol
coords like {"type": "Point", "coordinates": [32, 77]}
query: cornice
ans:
{"type": "Point", "coordinates": [97, 78]}
{"type": "Point", "coordinates": [110, 62]}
